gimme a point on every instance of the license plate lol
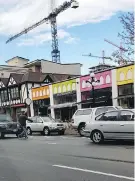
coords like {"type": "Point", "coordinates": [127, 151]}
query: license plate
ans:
{"type": "Point", "coordinates": [60, 128]}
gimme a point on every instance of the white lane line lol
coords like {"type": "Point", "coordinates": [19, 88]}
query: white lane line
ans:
{"type": "Point", "coordinates": [95, 172]}
{"type": "Point", "coordinates": [51, 143]}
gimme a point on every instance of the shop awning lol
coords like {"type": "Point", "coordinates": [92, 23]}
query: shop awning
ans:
{"type": "Point", "coordinates": [62, 105]}
{"type": "Point", "coordinates": [125, 96]}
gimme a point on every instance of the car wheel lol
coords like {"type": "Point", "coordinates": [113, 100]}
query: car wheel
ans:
{"type": "Point", "coordinates": [97, 137]}
{"type": "Point", "coordinates": [81, 129]}
{"type": "Point", "coordinates": [46, 131]}
{"type": "Point", "coordinates": [29, 132]}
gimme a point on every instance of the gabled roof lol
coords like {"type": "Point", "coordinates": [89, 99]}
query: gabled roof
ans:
{"type": "Point", "coordinates": [33, 77]}
{"type": "Point", "coordinates": [25, 59]}
{"type": "Point", "coordinates": [16, 78]}
{"type": "Point", "coordinates": [40, 77]}
{"type": "Point", "coordinates": [4, 80]}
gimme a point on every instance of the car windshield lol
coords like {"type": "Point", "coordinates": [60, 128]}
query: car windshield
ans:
{"type": "Point", "coordinates": [5, 118]}
{"type": "Point", "coordinates": [47, 119]}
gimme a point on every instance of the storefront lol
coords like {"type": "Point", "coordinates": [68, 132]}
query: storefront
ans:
{"type": "Point", "coordinates": [65, 98]}
{"type": "Point", "coordinates": [102, 90]}
{"type": "Point", "coordinates": [125, 86]}
{"type": "Point", "coordinates": [41, 100]}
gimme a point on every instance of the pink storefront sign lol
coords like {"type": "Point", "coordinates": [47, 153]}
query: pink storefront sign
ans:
{"type": "Point", "coordinates": [105, 81]}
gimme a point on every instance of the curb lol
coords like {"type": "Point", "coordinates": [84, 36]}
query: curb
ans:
{"type": "Point", "coordinates": [100, 158]}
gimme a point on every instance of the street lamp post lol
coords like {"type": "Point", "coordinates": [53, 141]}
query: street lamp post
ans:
{"type": "Point", "coordinates": [93, 82]}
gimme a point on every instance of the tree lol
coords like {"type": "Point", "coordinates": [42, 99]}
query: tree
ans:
{"type": "Point", "coordinates": [127, 37]}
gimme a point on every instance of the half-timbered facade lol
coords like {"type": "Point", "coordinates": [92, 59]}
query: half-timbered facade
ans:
{"type": "Point", "coordinates": [3, 94]}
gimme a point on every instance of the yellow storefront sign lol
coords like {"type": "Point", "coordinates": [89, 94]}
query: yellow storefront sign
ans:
{"type": "Point", "coordinates": [40, 93]}
{"type": "Point", "coordinates": [125, 75]}
{"type": "Point", "coordinates": [63, 87]}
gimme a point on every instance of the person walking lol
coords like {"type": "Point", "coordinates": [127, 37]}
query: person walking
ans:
{"type": "Point", "coordinates": [22, 121]}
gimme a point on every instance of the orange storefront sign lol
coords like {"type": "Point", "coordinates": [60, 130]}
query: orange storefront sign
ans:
{"type": "Point", "coordinates": [40, 93]}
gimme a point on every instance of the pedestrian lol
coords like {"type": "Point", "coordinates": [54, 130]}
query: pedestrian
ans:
{"type": "Point", "coordinates": [22, 120]}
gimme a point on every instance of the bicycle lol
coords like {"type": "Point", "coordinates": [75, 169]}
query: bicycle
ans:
{"type": "Point", "coordinates": [23, 134]}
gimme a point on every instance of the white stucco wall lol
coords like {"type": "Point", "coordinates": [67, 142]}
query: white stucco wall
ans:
{"type": "Point", "coordinates": [51, 101]}
{"type": "Point", "coordinates": [114, 88]}
{"type": "Point", "coordinates": [51, 67]}
{"type": "Point", "coordinates": [78, 92]}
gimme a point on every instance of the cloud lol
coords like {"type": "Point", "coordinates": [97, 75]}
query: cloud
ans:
{"type": "Point", "coordinates": [16, 15]}
{"type": "Point", "coordinates": [71, 40]}
{"type": "Point", "coordinates": [45, 37]}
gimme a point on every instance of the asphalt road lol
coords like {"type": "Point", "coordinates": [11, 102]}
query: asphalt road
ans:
{"type": "Point", "coordinates": [63, 158]}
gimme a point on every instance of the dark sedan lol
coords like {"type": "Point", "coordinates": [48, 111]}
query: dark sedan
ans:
{"type": "Point", "coordinates": [7, 126]}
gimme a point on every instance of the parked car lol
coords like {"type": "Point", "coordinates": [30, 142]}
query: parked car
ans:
{"type": "Point", "coordinates": [83, 116]}
{"type": "Point", "coordinates": [112, 125]}
{"type": "Point", "coordinates": [44, 125]}
{"type": "Point", "coordinates": [7, 126]}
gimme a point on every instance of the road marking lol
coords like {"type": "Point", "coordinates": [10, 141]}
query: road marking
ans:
{"type": "Point", "coordinates": [51, 143]}
{"type": "Point", "coordinates": [95, 172]}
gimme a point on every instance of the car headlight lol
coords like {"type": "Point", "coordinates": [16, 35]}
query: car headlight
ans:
{"type": "Point", "coordinates": [53, 127]}
{"type": "Point", "coordinates": [3, 126]}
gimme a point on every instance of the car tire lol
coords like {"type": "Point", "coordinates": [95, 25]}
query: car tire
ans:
{"type": "Point", "coordinates": [80, 129]}
{"type": "Point", "coordinates": [2, 135]}
{"type": "Point", "coordinates": [29, 132]}
{"type": "Point", "coordinates": [61, 132]}
{"type": "Point", "coordinates": [46, 131]}
{"type": "Point", "coordinates": [97, 137]}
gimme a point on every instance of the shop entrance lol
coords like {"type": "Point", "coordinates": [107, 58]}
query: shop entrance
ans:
{"type": "Point", "coordinates": [65, 114]}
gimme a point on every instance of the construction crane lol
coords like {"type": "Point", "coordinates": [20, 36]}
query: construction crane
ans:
{"type": "Point", "coordinates": [103, 56]}
{"type": "Point", "coordinates": [52, 18]}
{"type": "Point", "coordinates": [119, 47]}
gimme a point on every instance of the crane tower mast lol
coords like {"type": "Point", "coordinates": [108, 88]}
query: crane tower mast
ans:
{"type": "Point", "coordinates": [52, 18]}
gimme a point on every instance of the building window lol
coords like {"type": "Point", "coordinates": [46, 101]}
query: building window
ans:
{"type": "Point", "coordinates": [4, 96]}
{"type": "Point", "coordinates": [126, 90]}
{"type": "Point", "coordinates": [14, 93]}
{"type": "Point", "coordinates": [67, 98]}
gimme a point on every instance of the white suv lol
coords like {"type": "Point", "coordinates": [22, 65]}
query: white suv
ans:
{"type": "Point", "coordinates": [83, 116]}
{"type": "Point", "coordinates": [44, 125]}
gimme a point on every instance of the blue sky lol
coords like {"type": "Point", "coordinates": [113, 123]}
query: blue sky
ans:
{"type": "Point", "coordinates": [76, 37]}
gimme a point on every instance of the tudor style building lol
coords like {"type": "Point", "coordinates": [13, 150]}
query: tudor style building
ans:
{"type": "Point", "coordinates": [17, 88]}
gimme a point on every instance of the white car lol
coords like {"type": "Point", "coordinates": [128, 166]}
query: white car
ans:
{"type": "Point", "coordinates": [84, 116]}
{"type": "Point", "coordinates": [112, 125]}
{"type": "Point", "coordinates": [44, 125]}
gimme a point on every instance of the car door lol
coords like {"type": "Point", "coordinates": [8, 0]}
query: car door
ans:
{"type": "Point", "coordinates": [126, 124]}
{"type": "Point", "coordinates": [108, 124]}
{"type": "Point", "coordinates": [40, 124]}
{"type": "Point", "coordinates": [33, 125]}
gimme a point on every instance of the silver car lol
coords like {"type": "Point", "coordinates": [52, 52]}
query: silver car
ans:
{"type": "Point", "coordinates": [112, 125]}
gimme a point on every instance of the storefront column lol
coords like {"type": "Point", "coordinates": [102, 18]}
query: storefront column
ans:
{"type": "Point", "coordinates": [78, 92]}
{"type": "Point", "coordinates": [30, 96]}
{"type": "Point", "coordinates": [51, 101]}
{"type": "Point", "coordinates": [114, 88]}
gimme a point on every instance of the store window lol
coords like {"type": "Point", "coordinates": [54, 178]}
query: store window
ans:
{"type": "Point", "coordinates": [126, 89]}
{"type": "Point", "coordinates": [67, 98]}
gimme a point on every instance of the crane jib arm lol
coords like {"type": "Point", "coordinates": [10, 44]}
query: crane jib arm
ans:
{"type": "Point", "coordinates": [27, 30]}
{"type": "Point", "coordinates": [55, 12]}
